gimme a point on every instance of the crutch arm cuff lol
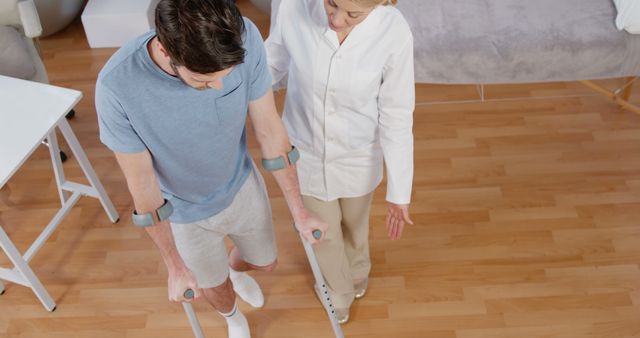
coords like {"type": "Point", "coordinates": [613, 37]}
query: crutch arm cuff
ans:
{"type": "Point", "coordinates": [146, 220]}
{"type": "Point", "coordinates": [279, 163]}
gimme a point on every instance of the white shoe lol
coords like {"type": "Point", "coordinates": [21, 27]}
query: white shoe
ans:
{"type": "Point", "coordinates": [247, 288]}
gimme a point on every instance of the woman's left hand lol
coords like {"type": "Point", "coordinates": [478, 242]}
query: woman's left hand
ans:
{"type": "Point", "coordinates": [397, 216]}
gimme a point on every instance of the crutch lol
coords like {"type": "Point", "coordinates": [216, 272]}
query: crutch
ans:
{"type": "Point", "coordinates": [322, 286]}
{"type": "Point", "coordinates": [193, 319]}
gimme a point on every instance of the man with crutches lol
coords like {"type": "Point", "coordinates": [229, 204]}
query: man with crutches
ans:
{"type": "Point", "coordinates": [172, 105]}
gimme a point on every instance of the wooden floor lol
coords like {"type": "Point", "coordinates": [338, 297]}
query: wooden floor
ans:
{"type": "Point", "coordinates": [527, 225]}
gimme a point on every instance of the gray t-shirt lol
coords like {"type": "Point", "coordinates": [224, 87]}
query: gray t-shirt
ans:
{"type": "Point", "coordinates": [197, 139]}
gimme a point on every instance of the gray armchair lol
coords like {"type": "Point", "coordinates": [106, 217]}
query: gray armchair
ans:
{"type": "Point", "coordinates": [19, 28]}
{"type": "Point", "coordinates": [19, 54]}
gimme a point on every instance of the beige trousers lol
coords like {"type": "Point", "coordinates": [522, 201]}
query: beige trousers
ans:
{"type": "Point", "coordinates": [344, 254]}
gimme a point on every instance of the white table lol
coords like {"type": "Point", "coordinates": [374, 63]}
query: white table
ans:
{"type": "Point", "coordinates": [29, 115]}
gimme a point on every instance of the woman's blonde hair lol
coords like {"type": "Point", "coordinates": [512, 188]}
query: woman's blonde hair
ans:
{"type": "Point", "coordinates": [373, 3]}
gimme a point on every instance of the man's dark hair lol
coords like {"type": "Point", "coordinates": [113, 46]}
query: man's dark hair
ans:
{"type": "Point", "coordinates": [205, 36]}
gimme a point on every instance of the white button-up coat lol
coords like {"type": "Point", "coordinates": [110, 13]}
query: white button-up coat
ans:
{"type": "Point", "coordinates": [348, 106]}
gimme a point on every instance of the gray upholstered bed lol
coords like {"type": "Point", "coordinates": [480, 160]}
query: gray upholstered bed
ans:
{"type": "Point", "coordinates": [515, 41]}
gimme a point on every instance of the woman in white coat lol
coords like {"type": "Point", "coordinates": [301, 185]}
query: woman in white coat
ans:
{"type": "Point", "coordinates": [348, 65]}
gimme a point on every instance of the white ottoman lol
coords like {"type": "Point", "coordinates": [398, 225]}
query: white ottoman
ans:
{"type": "Point", "coordinates": [111, 23]}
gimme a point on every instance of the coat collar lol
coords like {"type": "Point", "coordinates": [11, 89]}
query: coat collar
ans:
{"type": "Point", "coordinates": [367, 28]}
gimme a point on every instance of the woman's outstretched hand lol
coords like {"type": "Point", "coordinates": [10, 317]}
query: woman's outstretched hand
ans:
{"type": "Point", "coordinates": [397, 216]}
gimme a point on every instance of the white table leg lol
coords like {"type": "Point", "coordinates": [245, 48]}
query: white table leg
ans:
{"type": "Point", "coordinates": [82, 159]}
{"type": "Point", "coordinates": [51, 227]}
{"type": "Point", "coordinates": [58, 172]}
{"type": "Point", "coordinates": [24, 274]}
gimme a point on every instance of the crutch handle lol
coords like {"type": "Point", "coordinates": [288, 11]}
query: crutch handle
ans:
{"type": "Point", "coordinates": [317, 233]}
{"type": "Point", "coordinates": [188, 294]}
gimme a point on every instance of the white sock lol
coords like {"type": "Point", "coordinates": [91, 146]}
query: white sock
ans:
{"type": "Point", "coordinates": [247, 288]}
{"type": "Point", "coordinates": [236, 323]}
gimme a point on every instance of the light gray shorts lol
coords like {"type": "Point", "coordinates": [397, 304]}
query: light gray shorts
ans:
{"type": "Point", "coordinates": [247, 221]}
